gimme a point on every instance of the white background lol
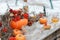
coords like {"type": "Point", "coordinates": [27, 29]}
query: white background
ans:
{"type": "Point", "coordinates": [20, 3]}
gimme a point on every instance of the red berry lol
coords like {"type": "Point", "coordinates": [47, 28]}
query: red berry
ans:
{"type": "Point", "coordinates": [10, 10]}
{"type": "Point", "coordinates": [30, 23]}
{"type": "Point", "coordinates": [12, 38]}
{"type": "Point", "coordinates": [16, 18]}
{"type": "Point", "coordinates": [4, 29]}
{"type": "Point", "coordinates": [14, 11]}
{"type": "Point", "coordinates": [26, 15]}
{"type": "Point", "coordinates": [0, 24]}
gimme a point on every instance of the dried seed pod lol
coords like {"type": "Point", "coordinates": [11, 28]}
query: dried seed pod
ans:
{"type": "Point", "coordinates": [25, 0]}
{"type": "Point", "coordinates": [25, 8]}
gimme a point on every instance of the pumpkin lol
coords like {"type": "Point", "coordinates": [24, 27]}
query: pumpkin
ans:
{"type": "Point", "coordinates": [55, 20]}
{"type": "Point", "coordinates": [43, 20]}
{"type": "Point", "coordinates": [18, 24]}
{"type": "Point", "coordinates": [16, 31]}
{"type": "Point", "coordinates": [47, 26]}
{"type": "Point", "coordinates": [24, 22]}
{"type": "Point", "coordinates": [20, 37]}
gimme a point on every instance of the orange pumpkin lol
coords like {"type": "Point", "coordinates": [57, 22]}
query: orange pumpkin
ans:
{"type": "Point", "coordinates": [43, 20]}
{"type": "Point", "coordinates": [16, 31]}
{"type": "Point", "coordinates": [24, 22]}
{"type": "Point", "coordinates": [20, 37]}
{"type": "Point", "coordinates": [18, 24]}
{"type": "Point", "coordinates": [47, 26]}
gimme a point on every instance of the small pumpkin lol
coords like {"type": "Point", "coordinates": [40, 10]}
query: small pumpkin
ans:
{"type": "Point", "coordinates": [43, 20]}
{"type": "Point", "coordinates": [47, 26]}
{"type": "Point", "coordinates": [16, 31]}
{"type": "Point", "coordinates": [20, 37]}
{"type": "Point", "coordinates": [18, 24]}
{"type": "Point", "coordinates": [24, 22]}
{"type": "Point", "coordinates": [55, 20]}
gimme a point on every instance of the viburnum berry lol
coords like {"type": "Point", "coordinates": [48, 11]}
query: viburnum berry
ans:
{"type": "Point", "coordinates": [15, 12]}
{"type": "Point", "coordinates": [26, 15]}
{"type": "Point", "coordinates": [11, 38]}
{"type": "Point", "coordinates": [16, 18]}
{"type": "Point", "coordinates": [10, 10]}
{"type": "Point", "coordinates": [0, 24]}
{"type": "Point", "coordinates": [30, 23]}
{"type": "Point", "coordinates": [4, 29]}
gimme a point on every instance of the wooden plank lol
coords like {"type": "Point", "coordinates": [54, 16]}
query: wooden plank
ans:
{"type": "Point", "coordinates": [53, 35]}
